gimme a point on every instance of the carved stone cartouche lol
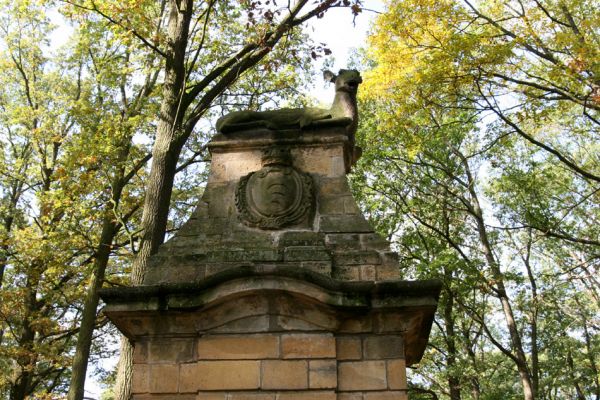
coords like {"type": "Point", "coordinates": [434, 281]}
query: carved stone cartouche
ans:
{"type": "Point", "coordinates": [277, 195]}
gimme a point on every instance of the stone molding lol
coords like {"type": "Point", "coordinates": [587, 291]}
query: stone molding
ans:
{"type": "Point", "coordinates": [403, 308]}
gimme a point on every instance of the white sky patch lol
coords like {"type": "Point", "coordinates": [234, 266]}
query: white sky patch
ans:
{"type": "Point", "coordinates": [340, 32]}
{"type": "Point", "coordinates": [63, 32]}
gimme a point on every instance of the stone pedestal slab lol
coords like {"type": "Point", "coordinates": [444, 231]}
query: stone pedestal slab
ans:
{"type": "Point", "coordinates": [274, 333]}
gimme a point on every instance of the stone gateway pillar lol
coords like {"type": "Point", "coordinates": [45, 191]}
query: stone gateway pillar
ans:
{"type": "Point", "coordinates": [277, 288]}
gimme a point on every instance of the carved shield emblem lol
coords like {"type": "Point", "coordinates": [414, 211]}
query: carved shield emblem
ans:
{"type": "Point", "coordinates": [276, 196]}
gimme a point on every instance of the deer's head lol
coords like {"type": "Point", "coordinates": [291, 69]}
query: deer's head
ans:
{"type": "Point", "coordinates": [347, 80]}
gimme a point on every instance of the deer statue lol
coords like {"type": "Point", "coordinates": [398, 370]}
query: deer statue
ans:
{"type": "Point", "coordinates": [343, 111]}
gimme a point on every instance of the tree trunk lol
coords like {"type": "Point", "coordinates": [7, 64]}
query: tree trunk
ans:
{"type": "Point", "coordinates": [88, 321]}
{"type": "Point", "coordinates": [453, 380]}
{"type": "Point", "coordinates": [165, 155]}
{"type": "Point", "coordinates": [21, 388]}
{"type": "Point", "coordinates": [535, 374]}
{"type": "Point", "coordinates": [3, 263]}
{"type": "Point", "coordinates": [590, 352]}
{"type": "Point", "coordinates": [475, 385]}
{"type": "Point", "coordinates": [580, 395]}
{"type": "Point", "coordinates": [16, 193]}
{"type": "Point", "coordinates": [499, 288]}
{"type": "Point", "coordinates": [502, 294]}
{"type": "Point", "coordinates": [122, 388]}
{"type": "Point", "coordinates": [110, 228]}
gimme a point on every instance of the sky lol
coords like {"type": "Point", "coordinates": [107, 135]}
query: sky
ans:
{"type": "Point", "coordinates": [341, 33]}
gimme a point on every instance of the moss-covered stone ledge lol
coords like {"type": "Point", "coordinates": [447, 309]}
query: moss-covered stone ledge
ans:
{"type": "Point", "coordinates": [379, 294]}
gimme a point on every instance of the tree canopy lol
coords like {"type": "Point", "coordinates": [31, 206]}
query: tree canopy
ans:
{"type": "Point", "coordinates": [482, 164]}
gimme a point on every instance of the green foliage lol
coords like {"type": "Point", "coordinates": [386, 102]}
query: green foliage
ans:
{"type": "Point", "coordinates": [63, 143]}
{"type": "Point", "coordinates": [480, 129]}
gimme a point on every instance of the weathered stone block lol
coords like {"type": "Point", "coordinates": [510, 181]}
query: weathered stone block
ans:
{"type": "Point", "coordinates": [140, 352]}
{"type": "Point", "coordinates": [394, 322]}
{"type": "Point", "coordinates": [216, 267]}
{"type": "Point", "coordinates": [246, 240]}
{"type": "Point", "coordinates": [321, 267]}
{"type": "Point", "coordinates": [320, 160]}
{"type": "Point", "coordinates": [382, 347]}
{"type": "Point", "coordinates": [368, 272]}
{"type": "Point", "coordinates": [188, 378]}
{"type": "Point", "coordinates": [227, 375]}
{"type": "Point", "coordinates": [344, 223]}
{"type": "Point", "coordinates": [373, 241]}
{"type": "Point", "coordinates": [308, 346]}
{"type": "Point", "coordinates": [322, 374]}
{"type": "Point", "coordinates": [334, 186]}
{"type": "Point", "coordinates": [319, 165]}
{"type": "Point", "coordinates": [346, 272]}
{"type": "Point", "coordinates": [348, 348]}
{"type": "Point", "coordinates": [338, 166]}
{"type": "Point", "coordinates": [265, 255]}
{"type": "Point", "coordinates": [185, 273]}
{"type": "Point", "coordinates": [216, 226]}
{"type": "Point", "coordinates": [288, 375]}
{"type": "Point", "coordinates": [178, 244]}
{"type": "Point", "coordinates": [390, 257]}
{"type": "Point", "coordinates": [342, 240]}
{"type": "Point", "coordinates": [286, 323]}
{"type": "Point", "coordinates": [171, 351]}
{"type": "Point", "coordinates": [350, 396]}
{"type": "Point", "coordinates": [164, 378]}
{"type": "Point", "coordinates": [241, 164]}
{"type": "Point", "coordinates": [397, 395]}
{"type": "Point", "coordinates": [300, 238]}
{"type": "Point", "coordinates": [211, 396]}
{"type": "Point", "coordinates": [244, 347]}
{"type": "Point", "coordinates": [253, 324]}
{"type": "Point", "coordinates": [396, 374]}
{"type": "Point", "coordinates": [388, 272]}
{"type": "Point", "coordinates": [315, 316]}
{"type": "Point", "coordinates": [350, 206]}
{"type": "Point", "coordinates": [306, 253]}
{"type": "Point", "coordinates": [362, 375]}
{"type": "Point", "coordinates": [332, 205]}
{"type": "Point", "coordinates": [357, 258]}
{"type": "Point", "coordinates": [140, 382]}
{"type": "Point", "coordinates": [308, 395]}
{"type": "Point", "coordinates": [252, 396]}
{"type": "Point", "coordinates": [218, 172]}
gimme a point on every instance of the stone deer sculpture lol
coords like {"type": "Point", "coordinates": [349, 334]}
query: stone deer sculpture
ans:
{"type": "Point", "coordinates": [343, 111]}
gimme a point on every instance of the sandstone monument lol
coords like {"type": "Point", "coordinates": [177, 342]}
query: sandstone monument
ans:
{"type": "Point", "coordinates": [277, 288]}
